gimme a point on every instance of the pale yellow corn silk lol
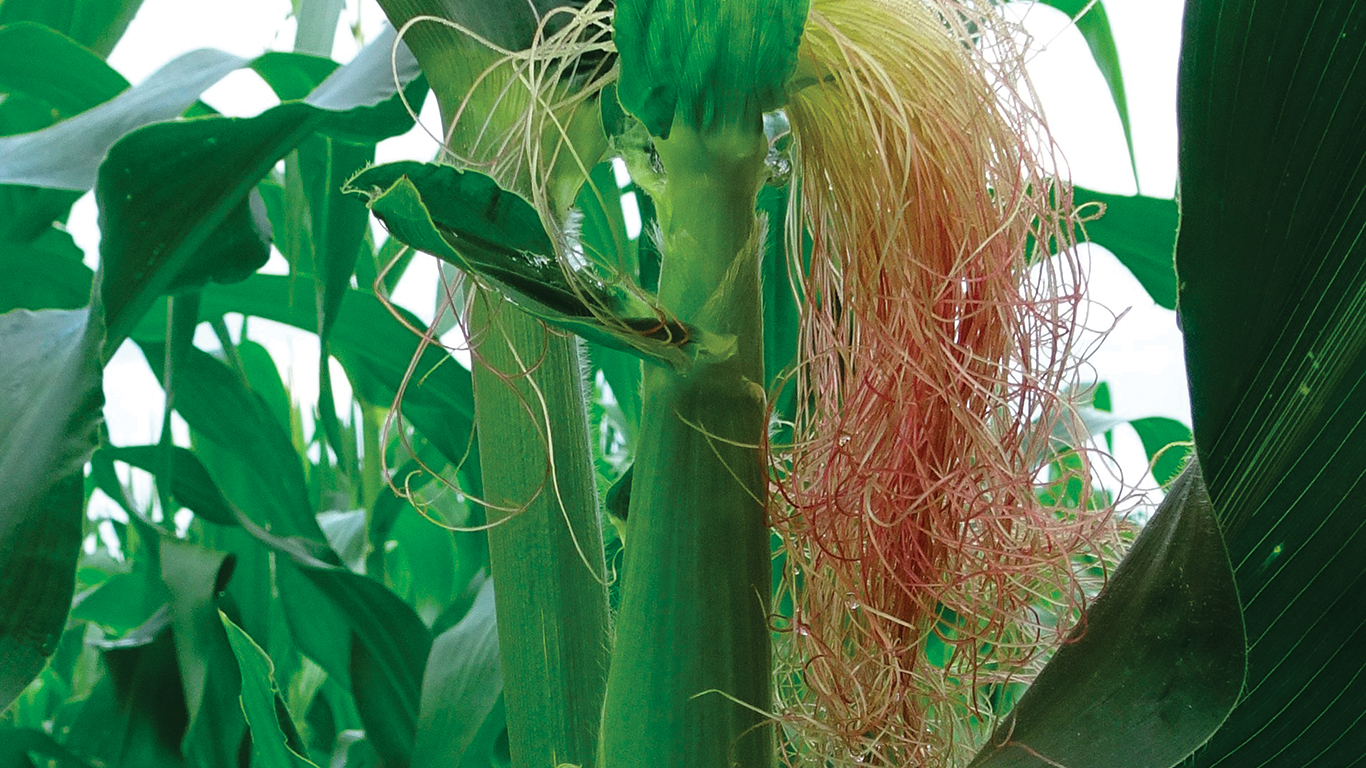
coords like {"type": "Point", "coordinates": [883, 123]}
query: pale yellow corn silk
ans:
{"type": "Point", "coordinates": [921, 566]}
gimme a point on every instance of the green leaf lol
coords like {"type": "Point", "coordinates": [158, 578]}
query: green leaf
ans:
{"type": "Point", "coordinates": [1094, 26]}
{"type": "Point", "coordinates": [781, 308]}
{"type": "Point", "coordinates": [195, 577]}
{"type": "Point", "coordinates": [96, 24]}
{"type": "Point", "coordinates": [45, 64]}
{"type": "Point", "coordinates": [389, 644]}
{"type": "Point", "coordinates": [376, 349]}
{"type": "Point", "coordinates": [357, 102]}
{"type": "Point", "coordinates": [1156, 665]}
{"type": "Point", "coordinates": [18, 744]}
{"type": "Point", "coordinates": [338, 221]}
{"type": "Point", "coordinates": [50, 403]}
{"type": "Point", "coordinates": [164, 228]}
{"type": "Point", "coordinates": [67, 155]}
{"type": "Point", "coordinates": [1271, 257]}
{"type": "Point", "coordinates": [547, 558]}
{"type": "Point", "coordinates": [45, 273]}
{"type": "Point", "coordinates": [124, 602]}
{"type": "Point", "coordinates": [1141, 233]}
{"type": "Point", "coordinates": [190, 482]}
{"type": "Point", "coordinates": [136, 714]}
{"type": "Point", "coordinates": [1162, 441]}
{"type": "Point", "coordinates": [261, 703]}
{"type": "Point", "coordinates": [220, 408]}
{"type": "Point", "coordinates": [462, 217]}
{"type": "Point", "coordinates": [461, 686]}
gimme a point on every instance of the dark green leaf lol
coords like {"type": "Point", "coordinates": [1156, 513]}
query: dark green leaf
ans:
{"type": "Point", "coordinates": [376, 349]}
{"type": "Point", "coordinates": [463, 218]}
{"type": "Point", "coordinates": [262, 378]}
{"type": "Point", "coordinates": [463, 682]}
{"type": "Point", "coordinates": [174, 211]}
{"type": "Point", "coordinates": [356, 103]}
{"type": "Point", "coordinates": [18, 744]}
{"type": "Point", "coordinates": [50, 403]}
{"type": "Point", "coordinates": [338, 221]}
{"type": "Point", "coordinates": [124, 602]}
{"type": "Point", "coordinates": [389, 644]}
{"type": "Point", "coordinates": [136, 715]}
{"type": "Point", "coordinates": [46, 273]}
{"type": "Point", "coordinates": [1156, 665]}
{"type": "Point", "coordinates": [261, 703]}
{"type": "Point", "coordinates": [1272, 263]}
{"type": "Point", "coordinates": [96, 24]}
{"type": "Point", "coordinates": [781, 308]}
{"type": "Point", "coordinates": [190, 483]}
{"type": "Point", "coordinates": [1141, 233]}
{"type": "Point", "coordinates": [67, 155]}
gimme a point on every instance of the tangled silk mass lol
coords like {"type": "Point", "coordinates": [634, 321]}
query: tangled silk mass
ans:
{"type": "Point", "coordinates": [925, 565]}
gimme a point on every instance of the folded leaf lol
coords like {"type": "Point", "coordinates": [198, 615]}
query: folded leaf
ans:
{"type": "Point", "coordinates": [262, 704]}
{"type": "Point", "coordinates": [462, 217]}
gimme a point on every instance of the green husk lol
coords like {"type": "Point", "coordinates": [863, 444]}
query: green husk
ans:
{"type": "Point", "coordinates": [691, 669]}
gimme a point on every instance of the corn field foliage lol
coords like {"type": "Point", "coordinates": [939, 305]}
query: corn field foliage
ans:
{"type": "Point", "coordinates": [803, 475]}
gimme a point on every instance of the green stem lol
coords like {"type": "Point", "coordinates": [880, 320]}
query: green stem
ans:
{"type": "Point", "coordinates": [547, 558]}
{"type": "Point", "coordinates": [691, 671]}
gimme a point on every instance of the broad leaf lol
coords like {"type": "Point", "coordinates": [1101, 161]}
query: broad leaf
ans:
{"type": "Point", "coordinates": [1166, 442]}
{"type": "Point", "coordinates": [377, 350]}
{"type": "Point", "coordinates": [195, 577]}
{"type": "Point", "coordinates": [1272, 262]}
{"type": "Point", "coordinates": [1155, 667]}
{"type": "Point", "coordinates": [356, 102]}
{"type": "Point", "coordinates": [189, 481]}
{"type": "Point", "coordinates": [67, 155]}
{"type": "Point", "coordinates": [389, 644]}
{"type": "Point", "coordinates": [45, 273]}
{"type": "Point", "coordinates": [47, 65]}
{"type": "Point", "coordinates": [20, 744]}
{"type": "Point", "coordinates": [136, 714]}
{"type": "Point", "coordinates": [49, 408]}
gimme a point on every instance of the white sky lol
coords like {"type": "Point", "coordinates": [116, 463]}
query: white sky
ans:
{"type": "Point", "coordinates": [1141, 359]}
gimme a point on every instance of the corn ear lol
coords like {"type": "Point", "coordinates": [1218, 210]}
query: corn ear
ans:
{"type": "Point", "coordinates": [690, 678]}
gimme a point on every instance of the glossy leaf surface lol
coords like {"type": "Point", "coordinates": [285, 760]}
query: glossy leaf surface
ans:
{"type": "Point", "coordinates": [1272, 263]}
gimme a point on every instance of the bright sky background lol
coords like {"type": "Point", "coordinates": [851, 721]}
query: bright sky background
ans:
{"type": "Point", "coordinates": [1141, 359]}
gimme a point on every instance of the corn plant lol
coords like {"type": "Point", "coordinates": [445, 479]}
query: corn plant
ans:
{"type": "Point", "coordinates": [820, 498]}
